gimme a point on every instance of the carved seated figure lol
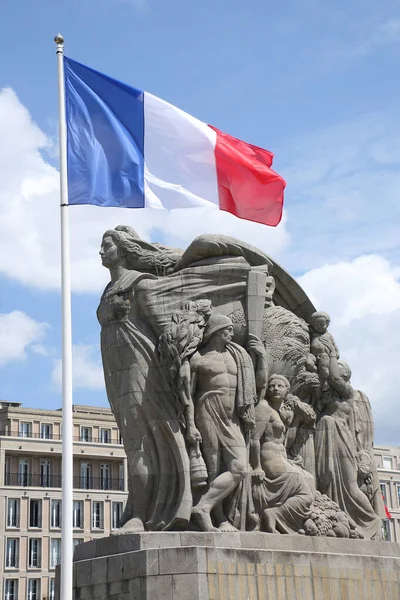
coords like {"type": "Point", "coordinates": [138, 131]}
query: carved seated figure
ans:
{"type": "Point", "coordinates": [223, 390]}
{"type": "Point", "coordinates": [322, 344]}
{"type": "Point", "coordinates": [282, 491]}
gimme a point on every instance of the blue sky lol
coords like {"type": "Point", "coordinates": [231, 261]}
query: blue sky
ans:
{"type": "Point", "coordinates": [315, 83]}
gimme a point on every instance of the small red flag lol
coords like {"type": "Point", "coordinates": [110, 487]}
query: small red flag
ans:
{"type": "Point", "coordinates": [388, 515]}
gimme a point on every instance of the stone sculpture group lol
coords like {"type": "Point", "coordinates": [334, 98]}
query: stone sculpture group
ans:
{"type": "Point", "coordinates": [235, 408]}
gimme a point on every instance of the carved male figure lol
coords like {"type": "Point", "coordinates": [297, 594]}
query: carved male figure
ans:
{"type": "Point", "coordinates": [223, 389]}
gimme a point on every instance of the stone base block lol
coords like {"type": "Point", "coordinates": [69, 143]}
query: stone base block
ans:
{"type": "Point", "coordinates": [235, 566]}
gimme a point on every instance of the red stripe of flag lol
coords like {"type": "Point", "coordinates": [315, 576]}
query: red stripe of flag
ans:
{"type": "Point", "coordinates": [247, 186]}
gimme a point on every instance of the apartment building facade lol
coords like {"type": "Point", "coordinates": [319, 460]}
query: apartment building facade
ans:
{"type": "Point", "coordinates": [30, 491]}
{"type": "Point", "coordinates": [387, 459]}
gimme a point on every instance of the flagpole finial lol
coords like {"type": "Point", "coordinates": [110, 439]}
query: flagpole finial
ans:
{"type": "Point", "coordinates": [59, 39]}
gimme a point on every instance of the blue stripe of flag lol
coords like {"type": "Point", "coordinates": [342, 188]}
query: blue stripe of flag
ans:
{"type": "Point", "coordinates": [105, 139]}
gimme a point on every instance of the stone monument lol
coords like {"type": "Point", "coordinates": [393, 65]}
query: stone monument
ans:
{"type": "Point", "coordinates": [250, 454]}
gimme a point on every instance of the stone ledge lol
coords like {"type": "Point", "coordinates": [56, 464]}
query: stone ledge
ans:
{"type": "Point", "coordinates": [120, 544]}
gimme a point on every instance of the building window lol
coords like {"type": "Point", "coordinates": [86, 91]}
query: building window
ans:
{"type": "Point", "coordinates": [55, 518]}
{"type": "Point", "coordinates": [35, 513]}
{"type": "Point", "coordinates": [86, 476]}
{"type": "Point", "coordinates": [105, 436]}
{"type": "Point", "coordinates": [86, 434]}
{"type": "Point", "coordinates": [33, 589]}
{"type": "Point", "coordinates": [13, 512]}
{"type": "Point", "coordinates": [104, 476]}
{"type": "Point", "coordinates": [23, 472]}
{"type": "Point", "coordinates": [46, 431]}
{"type": "Point", "coordinates": [55, 552]}
{"type": "Point", "coordinates": [12, 553]}
{"type": "Point", "coordinates": [77, 541]}
{"type": "Point", "coordinates": [35, 553]}
{"type": "Point", "coordinates": [6, 471]}
{"type": "Point", "coordinates": [25, 429]}
{"type": "Point", "coordinates": [45, 473]}
{"type": "Point", "coordinates": [121, 477]}
{"type": "Point", "coordinates": [386, 530]}
{"type": "Point", "coordinates": [11, 589]}
{"type": "Point", "coordinates": [52, 589]}
{"type": "Point", "coordinates": [77, 514]}
{"type": "Point", "coordinates": [117, 510]}
{"type": "Point", "coordinates": [387, 463]}
{"type": "Point", "coordinates": [97, 515]}
{"type": "Point", "coordinates": [398, 494]}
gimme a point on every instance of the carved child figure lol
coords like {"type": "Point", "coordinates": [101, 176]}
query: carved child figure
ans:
{"type": "Point", "coordinates": [322, 344]}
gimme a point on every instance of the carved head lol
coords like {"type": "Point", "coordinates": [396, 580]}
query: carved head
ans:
{"type": "Point", "coordinates": [278, 388]}
{"type": "Point", "coordinates": [110, 253]}
{"type": "Point", "coordinates": [219, 325]}
{"type": "Point", "coordinates": [320, 321]}
{"type": "Point", "coordinates": [114, 246]}
{"type": "Point", "coordinates": [133, 253]}
{"type": "Point", "coordinates": [364, 463]}
{"type": "Point", "coordinates": [345, 370]}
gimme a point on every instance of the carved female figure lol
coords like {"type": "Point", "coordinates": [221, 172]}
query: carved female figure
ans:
{"type": "Point", "coordinates": [336, 454]}
{"type": "Point", "coordinates": [283, 492]}
{"type": "Point", "coordinates": [141, 399]}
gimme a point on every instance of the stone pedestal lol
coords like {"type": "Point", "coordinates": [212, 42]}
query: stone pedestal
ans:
{"type": "Point", "coordinates": [235, 566]}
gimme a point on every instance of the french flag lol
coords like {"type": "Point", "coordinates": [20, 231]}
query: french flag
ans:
{"type": "Point", "coordinates": [128, 148]}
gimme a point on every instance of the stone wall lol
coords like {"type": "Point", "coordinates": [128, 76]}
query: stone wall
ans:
{"type": "Point", "coordinates": [235, 566]}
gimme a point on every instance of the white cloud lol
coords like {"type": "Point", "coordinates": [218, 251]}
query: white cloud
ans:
{"type": "Point", "coordinates": [363, 299]}
{"type": "Point", "coordinates": [387, 32]}
{"type": "Point", "coordinates": [29, 228]}
{"type": "Point", "coordinates": [334, 37]}
{"type": "Point", "coordinates": [343, 191]}
{"type": "Point", "coordinates": [366, 286]}
{"type": "Point", "coordinates": [362, 39]}
{"type": "Point", "coordinates": [140, 5]}
{"type": "Point", "coordinates": [87, 370]}
{"type": "Point", "coordinates": [42, 350]}
{"type": "Point", "coordinates": [362, 35]}
{"type": "Point", "coordinates": [18, 332]}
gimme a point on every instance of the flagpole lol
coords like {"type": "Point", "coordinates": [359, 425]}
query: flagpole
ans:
{"type": "Point", "coordinates": [67, 418]}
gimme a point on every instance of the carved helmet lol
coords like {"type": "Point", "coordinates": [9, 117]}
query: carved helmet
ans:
{"type": "Point", "coordinates": [215, 323]}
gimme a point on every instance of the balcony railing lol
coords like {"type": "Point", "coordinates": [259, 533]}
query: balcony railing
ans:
{"type": "Point", "coordinates": [54, 481]}
{"type": "Point", "coordinates": [35, 562]}
{"type": "Point", "coordinates": [55, 560]}
{"type": "Point", "coordinates": [56, 436]}
{"type": "Point", "coordinates": [99, 483]}
{"type": "Point", "coordinates": [30, 435]}
{"type": "Point", "coordinates": [13, 520]}
{"type": "Point", "coordinates": [12, 562]}
{"type": "Point", "coordinates": [95, 440]}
